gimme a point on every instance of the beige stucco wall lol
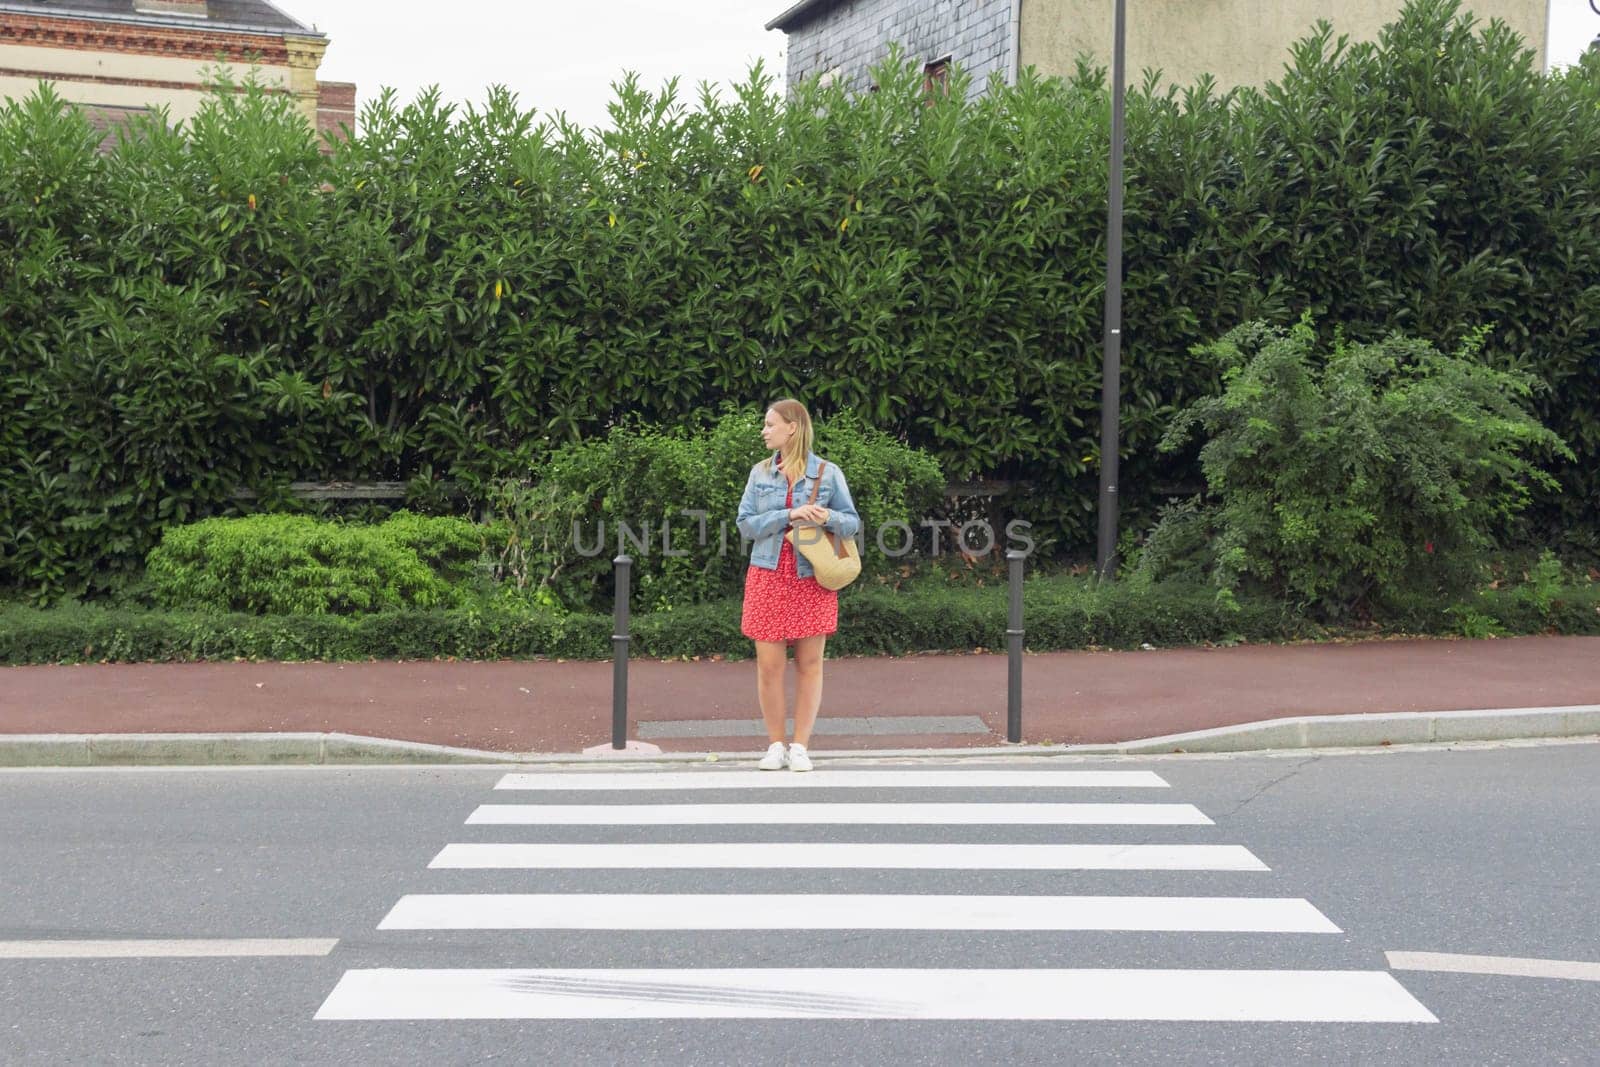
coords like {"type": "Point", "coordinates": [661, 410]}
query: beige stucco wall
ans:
{"type": "Point", "coordinates": [181, 104]}
{"type": "Point", "coordinates": [82, 76]}
{"type": "Point", "coordinates": [1241, 42]}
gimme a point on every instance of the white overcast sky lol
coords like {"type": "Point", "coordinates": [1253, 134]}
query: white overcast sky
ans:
{"type": "Point", "coordinates": [556, 56]}
{"type": "Point", "coordinates": [563, 56]}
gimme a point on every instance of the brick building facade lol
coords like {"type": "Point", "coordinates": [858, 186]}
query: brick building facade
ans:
{"type": "Point", "coordinates": [116, 58]}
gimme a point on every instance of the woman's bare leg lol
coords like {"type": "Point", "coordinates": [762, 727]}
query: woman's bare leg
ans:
{"type": "Point", "coordinates": [770, 661]}
{"type": "Point", "coordinates": [808, 686]}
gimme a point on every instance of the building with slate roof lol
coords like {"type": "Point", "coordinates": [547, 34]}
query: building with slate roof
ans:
{"type": "Point", "coordinates": [1238, 42]}
{"type": "Point", "coordinates": [116, 58]}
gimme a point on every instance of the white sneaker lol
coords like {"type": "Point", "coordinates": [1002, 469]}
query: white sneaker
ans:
{"type": "Point", "coordinates": [798, 760]}
{"type": "Point", "coordinates": [775, 758]}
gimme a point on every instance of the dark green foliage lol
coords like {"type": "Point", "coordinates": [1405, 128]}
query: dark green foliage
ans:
{"type": "Point", "coordinates": [1541, 596]}
{"type": "Point", "coordinates": [452, 295]}
{"type": "Point", "coordinates": [1062, 613]}
{"type": "Point", "coordinates": [1345, 481]}
{"type": "Point", "coordinates": [645, 477]}
{"type": "Point", "coordinates": [531, 552]}
{"type": "Point", "coordinates": [298, 565]}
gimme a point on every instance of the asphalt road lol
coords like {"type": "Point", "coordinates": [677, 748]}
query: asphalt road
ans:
{"type": "Point", "coordinates": [1481, 851]}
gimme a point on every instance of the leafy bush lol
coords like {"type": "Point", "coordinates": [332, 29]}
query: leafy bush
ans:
{"type": "Point", "coordinates": [298, 565]}
{"type": "Point", "coordinates": [1345, 481]}
{"type": "Point", "coordinates": [548, 543]}
{"type": "Point", "coordinates": [597, 498]}
{"type": "Point", "coordinates": [1528, 596]}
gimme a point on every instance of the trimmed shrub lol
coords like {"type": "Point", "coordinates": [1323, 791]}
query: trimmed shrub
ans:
{"type": "Point", "coordinates": [298, 565]}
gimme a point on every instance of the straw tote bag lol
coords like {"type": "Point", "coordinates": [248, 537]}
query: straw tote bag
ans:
{"type": "Point", "coordinates": [836, 560]}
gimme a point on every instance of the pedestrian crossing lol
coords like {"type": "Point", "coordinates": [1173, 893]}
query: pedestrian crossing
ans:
{"type": "Point", "coordinates": [744, 824]}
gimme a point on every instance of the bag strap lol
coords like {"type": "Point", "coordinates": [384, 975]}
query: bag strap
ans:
{"type": "Point", "coordinates": [832, 538]}
{"type": "Point", "coordinates": [822, 466]}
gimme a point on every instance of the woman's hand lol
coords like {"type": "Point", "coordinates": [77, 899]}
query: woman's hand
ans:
{"type": "Point", "coordinates": [813, 513]}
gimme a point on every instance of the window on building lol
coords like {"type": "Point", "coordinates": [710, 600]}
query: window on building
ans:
{"type": "Point", "coordinates": [936, 78]}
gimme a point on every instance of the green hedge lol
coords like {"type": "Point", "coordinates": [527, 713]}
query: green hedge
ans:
{"type": "Point", "coordinates": [875, 620]}
{"type": "Point", "coordinates": [453, 295]}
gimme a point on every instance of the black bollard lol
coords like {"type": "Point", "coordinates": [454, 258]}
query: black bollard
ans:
{"type": "Point", "coordinates": [1014, 560]}
{"type": "Point", "coordinates": [619, 657]}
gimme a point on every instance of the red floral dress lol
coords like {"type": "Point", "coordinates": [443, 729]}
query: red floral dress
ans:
{"type": "Point", "coordinates": [782, 606]}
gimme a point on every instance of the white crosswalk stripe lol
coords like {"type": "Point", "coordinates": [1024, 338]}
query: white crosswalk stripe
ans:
{"type": "Point", "coordinates": [837, 814]}
{"type": "Point", "coordinates": [832, 855]}
{"type": "Point", "coordinates": [832, 911]}
{"type": "Point", "coordinates": [1148, 993]}
{"type": "Point", "coordinates": [870, 993]}
{"type": "Point", "coordinates": [697, 779]}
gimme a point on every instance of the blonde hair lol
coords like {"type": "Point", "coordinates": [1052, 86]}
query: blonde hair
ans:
{"type": "Point", "coordinates": [799, 447]}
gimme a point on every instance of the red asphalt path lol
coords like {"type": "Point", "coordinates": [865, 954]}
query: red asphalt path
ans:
{"type": "Point", "coordinates": [565, 706]}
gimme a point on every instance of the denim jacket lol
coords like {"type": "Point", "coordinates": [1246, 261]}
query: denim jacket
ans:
{"type": "Point", "coordinates": [763, 518]}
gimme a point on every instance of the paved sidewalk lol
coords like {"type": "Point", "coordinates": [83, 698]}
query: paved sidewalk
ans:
{"type": "Point", "coordinates": [554, 706]}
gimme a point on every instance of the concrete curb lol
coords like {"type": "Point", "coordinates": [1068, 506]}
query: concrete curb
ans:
{"type": "Point", "coordinates": [125, 750]}
{"type": "Point", "coordinates": [1402, 728]}
{"type": "Point", "coordinates": [289, 749]}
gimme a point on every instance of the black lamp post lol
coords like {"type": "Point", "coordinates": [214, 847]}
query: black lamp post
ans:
{"type": "Point", "coordinates": [1111, 366]}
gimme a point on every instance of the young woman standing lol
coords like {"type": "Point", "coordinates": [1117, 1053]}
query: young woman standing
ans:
{"type": "Point", "coordinates": [783, 604]}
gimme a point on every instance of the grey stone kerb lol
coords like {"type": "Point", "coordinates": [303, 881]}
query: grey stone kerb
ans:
{"type": "Point", "coordinates": [1299, 732]}
{"type": "Point", "coordinates": [841, 40]}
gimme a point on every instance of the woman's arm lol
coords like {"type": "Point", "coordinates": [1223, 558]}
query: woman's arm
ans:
{"type": "Point", "coordinates": [842, 517]}
{"type": "Point", "coordinates": [753, 524]}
